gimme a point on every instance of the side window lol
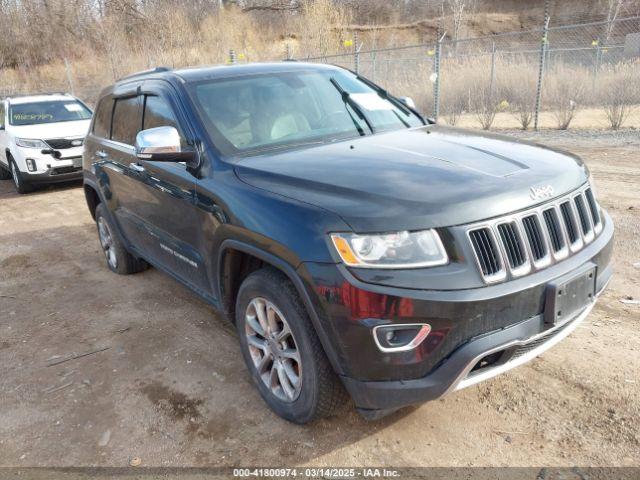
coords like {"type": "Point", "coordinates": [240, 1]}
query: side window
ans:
{"type": "Point", "coordinates": [127, 120]}
{"type": "Point", "coordinates": [102, 122]}
{"type": "Point", "coordinates": [158, 113]}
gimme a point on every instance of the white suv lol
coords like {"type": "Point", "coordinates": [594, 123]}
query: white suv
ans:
{"type": "Point", "coordinates": [41, 138]}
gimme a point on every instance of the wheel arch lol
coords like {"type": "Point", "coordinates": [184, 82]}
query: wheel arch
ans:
{"type": "Point", "coordinates": [92, 197]}
{"type": "Point", "coordinates": [237, 260]}
{"type": "Point", "coordinates": [93, 194]}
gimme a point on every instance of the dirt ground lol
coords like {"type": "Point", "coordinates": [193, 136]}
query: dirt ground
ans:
{"type": "Point", "coordinates": [171, 388]}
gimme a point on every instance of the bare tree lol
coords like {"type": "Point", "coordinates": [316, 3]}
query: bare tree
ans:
{"type": "Point", "coordinates": [613, 10]}
{"type": "Point", "coordinates": [458, 9]}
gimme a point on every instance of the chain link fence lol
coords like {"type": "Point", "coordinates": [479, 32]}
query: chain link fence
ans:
{"type": "Point", "coordinates": [583, 75]}
{"type": "Point", "coordinates": [549, 76]}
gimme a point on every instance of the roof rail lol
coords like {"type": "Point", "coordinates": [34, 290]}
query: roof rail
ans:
{"type": "Point", "coordinates": [35, 94]}
{"type": "Point", "coordinates": [144, 72]}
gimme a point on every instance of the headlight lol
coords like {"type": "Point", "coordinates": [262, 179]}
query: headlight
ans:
{"type": "Point", "coordinates": [392, 250]}
{"type": "Point", "coordinates": [30, 143]}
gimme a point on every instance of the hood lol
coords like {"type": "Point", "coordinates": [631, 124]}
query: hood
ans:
{"type": "Point", "coordinates": [420, 178]}
{"type": "Point", "coordinates": [43, 131]}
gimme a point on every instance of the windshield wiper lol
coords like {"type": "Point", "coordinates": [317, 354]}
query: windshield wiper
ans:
{"type": "Point", "coordinates": [398, 103]}
{"type": "Point", "coordinates": [346, 98]}
{"type": "Point", "coordinates": [283, 146]}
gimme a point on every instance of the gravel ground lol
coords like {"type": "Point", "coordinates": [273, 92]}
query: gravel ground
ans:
{"type": "Point", "coordinates": [171, 388]}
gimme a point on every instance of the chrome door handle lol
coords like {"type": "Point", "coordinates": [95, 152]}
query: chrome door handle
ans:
{"type": "Point", "coordinates": [102, 154]}
{"type": "Point", "coordinates": [136, 166]}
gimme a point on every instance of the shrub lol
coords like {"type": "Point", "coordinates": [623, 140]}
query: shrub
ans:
{"type": "Point", "coordinates": [519, 82]}
{"type": "Point", "coordinates": [618, 92]}
{"type": "Point", "coordinates": [564, 89]}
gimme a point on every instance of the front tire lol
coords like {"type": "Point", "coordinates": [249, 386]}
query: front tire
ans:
{"type": "Point", "coordinates": [119, 260]}
{"type": "Point", "coordinates": [282, 351]}
{"type": "Point", "coordinates": [22, 186]}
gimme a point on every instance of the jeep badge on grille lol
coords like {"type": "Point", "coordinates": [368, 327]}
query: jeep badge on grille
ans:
{"type": "Point", "coordinates": [542, 192]}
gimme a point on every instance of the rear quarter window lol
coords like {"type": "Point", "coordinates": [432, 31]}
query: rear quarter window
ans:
{"type": "Point", "coordinates": [127, 120]}
{"type": "Point", "coordinates": [102, 122]}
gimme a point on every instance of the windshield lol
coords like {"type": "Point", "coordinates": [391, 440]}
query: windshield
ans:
{"type": "Point", "coordinates": [285, 109]}
{"type": "Point", "coordinates": [48, 112]}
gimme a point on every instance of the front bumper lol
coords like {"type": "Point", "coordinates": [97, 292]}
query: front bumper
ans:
{"type": "Point", "coordinates": [57, 174]}
{"type": "Point", "coordinates": [48, 168]}
{"type": "Point", "coordinates": [506, 319]}
{"type": "Point", "coordinates": [515, 346]}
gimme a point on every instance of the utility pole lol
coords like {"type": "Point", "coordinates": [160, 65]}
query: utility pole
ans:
{"type": "Point", "coordinates": [543, 56]}
{"type": "Point", "coordinates": [356, 52]}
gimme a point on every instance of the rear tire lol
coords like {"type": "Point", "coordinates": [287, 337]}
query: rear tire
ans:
{"type": "Point", "coordinates": [279, 345]}
{"type": "Point", "coordinates": [22, 186]}
{"type": "Point", "coordinates": [119, 260]}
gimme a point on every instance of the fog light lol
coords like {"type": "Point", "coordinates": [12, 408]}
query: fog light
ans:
{"type": "Point", "coordinates": [31, 165]}
{"type": "Point", "coordinates": [400, 337]}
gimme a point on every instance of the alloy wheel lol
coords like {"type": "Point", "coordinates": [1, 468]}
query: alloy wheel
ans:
{"type": "Point", "coordinates": [273, 349]}
{"type": "Point", "coordinates": [106, 240]}
{"type": "Point", "coordinates": [14, 175]}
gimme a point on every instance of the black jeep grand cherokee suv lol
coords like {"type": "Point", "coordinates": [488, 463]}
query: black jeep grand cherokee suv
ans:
{"type": "Point", "coordinates": [355, 246]}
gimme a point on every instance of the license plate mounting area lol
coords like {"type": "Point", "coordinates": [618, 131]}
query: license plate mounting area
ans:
{"type": "Point", "coordinates": [567, 295]}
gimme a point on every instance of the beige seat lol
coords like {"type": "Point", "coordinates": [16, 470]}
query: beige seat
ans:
{"type": "Point", "coordinates": [289, 124]}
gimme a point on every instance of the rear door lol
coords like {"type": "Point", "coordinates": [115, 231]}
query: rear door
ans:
{"type": "Point", "coordinates": [115, 157]}
{"type": "Point", "coordinates": [111, 152]}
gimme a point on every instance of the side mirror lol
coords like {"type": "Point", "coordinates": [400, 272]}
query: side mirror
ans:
{"type": "Point", "coordinates": [408, 101]}
{"type": "Point", "coordinates": [162, 144]}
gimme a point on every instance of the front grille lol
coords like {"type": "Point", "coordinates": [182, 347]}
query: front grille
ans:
{"type": "Point", "coordinates": [555, 231]}
{"type": "Point", "coordinates": [582, 214]}
{"type": "Point", "coordinates": [569, 222]}
{"type": "Point", "coordinates": [550, 232]}
{"type": "Point", "coordinates": [63, 170]}
{"type": "Point", "coordinates": [487, 251]}
{"type": "Point", "coordinates": [534, 235]}
{"type": "Point", "coordinates": [63, 143]}
{"type": "Point", "coordinates": [513, 244]}
{"type": "Point", "coordinates": [593, 207]}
